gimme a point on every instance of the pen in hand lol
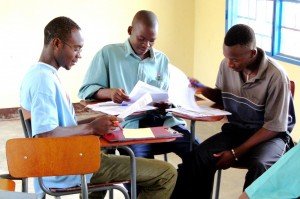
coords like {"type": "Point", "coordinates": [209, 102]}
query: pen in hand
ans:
{"type": "Point", "coordinates": [116, 123]}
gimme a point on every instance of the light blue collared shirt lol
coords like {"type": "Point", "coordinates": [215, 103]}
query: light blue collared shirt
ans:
{"type": "Point", "coordinates": [43, 95]}
{"type": "Point", "coordinates": [282, 180]}
{"type": "Point", "coordinates": [117, 66]}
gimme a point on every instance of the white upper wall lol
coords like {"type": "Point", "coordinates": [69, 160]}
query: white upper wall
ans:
{"type": "Point", "coordinates": [102, 22]}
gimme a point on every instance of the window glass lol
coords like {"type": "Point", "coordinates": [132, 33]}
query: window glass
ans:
{"type": "Point", "coordinates": [276, 24]}
{"type": "Point", "coordinates": [258, 14]}
{"type": "Point", "coordinates": [290, 29]}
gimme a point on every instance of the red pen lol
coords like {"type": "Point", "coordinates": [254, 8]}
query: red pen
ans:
{"type": "Point", "coordinates": [117, 124]}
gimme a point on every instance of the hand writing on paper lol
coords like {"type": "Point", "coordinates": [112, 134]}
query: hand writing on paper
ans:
{"type": "Point", "coordinates": [118, 95]}
{"type": "Point", "coordinates": [117, 124]}
{"type": "Point", "coordinates": [103, 124]}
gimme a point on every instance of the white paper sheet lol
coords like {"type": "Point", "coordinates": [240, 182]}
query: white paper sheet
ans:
{"type": "Point", "coordinates": [142, 88]}
{"type": "Point", "coordinates": [136, 106]}
{"type": "Point", "coordinates": [202, 111]}
{"type": "Point", "coordinates": [183, 96]}
{"type": "Point", "coordinates": [116, 110]}
{"type": "Point", "coordinates": [178, 87]}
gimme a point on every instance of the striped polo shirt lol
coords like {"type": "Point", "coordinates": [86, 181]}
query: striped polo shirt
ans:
{"type": "Point", "coordinates": [263, 101]}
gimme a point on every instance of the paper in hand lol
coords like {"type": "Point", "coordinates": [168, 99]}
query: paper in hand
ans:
{"type": "Point", "coordinates": [136, 106]}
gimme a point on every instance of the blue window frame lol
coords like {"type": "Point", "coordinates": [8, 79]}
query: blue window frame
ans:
{"type": "Point", "coordinates": [276, 24]}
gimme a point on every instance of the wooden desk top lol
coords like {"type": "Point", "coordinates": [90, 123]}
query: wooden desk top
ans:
{"type": "Point", "coordinates": [87, 102]}
{"type": "Point", "coordinates": [105, 143]}
{"type": "Point", "coordinates": [204, 119]}
{"type": "Point", "coordinates": [200, 102]}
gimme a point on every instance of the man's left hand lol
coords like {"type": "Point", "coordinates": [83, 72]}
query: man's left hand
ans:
{"type": "Point", "coordinates": [225, 159]}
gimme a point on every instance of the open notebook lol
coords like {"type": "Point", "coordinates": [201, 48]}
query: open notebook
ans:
{"type": "Point", "coordinates": [141, 133]}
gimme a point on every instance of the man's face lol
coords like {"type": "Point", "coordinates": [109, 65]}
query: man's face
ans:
{"type": "Point", "coordinates": [70, 51]}
{"type": "Point", "coordinates": [142, 38]}
{"type": "Point", "coordinates": [238, 57]}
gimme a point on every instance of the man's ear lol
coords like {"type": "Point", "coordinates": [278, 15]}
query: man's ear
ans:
{"type": "Point", "coordinates": [129, 30]}
{"type": "Point", "coordinates": [253, 52]}
{"type": "Point", "coordinates": [55, 43]}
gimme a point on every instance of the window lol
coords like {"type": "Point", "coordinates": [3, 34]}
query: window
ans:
{"type": "Point", "coordinates": [276, 24]}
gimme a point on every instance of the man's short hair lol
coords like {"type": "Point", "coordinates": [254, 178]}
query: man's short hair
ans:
{"type": "Point", "coordinates": [59, 27]}
{"type": "Point", "coordinates": [147, 17]}
{"type": "Point", "coordinates": [240, 34]}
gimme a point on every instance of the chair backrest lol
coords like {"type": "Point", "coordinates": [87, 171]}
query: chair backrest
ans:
{"type": "Point", "coordinates": [37, 157]}
{"type": "Point", "coordinates": [292, 87]}
{"type": "Point", "coordinates": [26, 122]}
{"type": "Point", "coordinates": [7, 185]}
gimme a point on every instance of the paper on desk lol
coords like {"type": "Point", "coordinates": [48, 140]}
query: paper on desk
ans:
{"type": "Point", "coordinates": [136, 106]}
{"type": "Point", "coordinates": [100, 104]}
{"type": "Point", "coordinates": [178, 87]}
{"type": "Point", "coordinates": [142, 88]}
{"type": "Point", "coordinates": [191, 108]}
{"type": "Point", "coordinates": [202, 111]}
{"type": "Point", "coordinates": [116, 110]}
{"type": "Point", "coordinates": [138, 133]}
{"type": "Point", "coordinates": [180, 92]}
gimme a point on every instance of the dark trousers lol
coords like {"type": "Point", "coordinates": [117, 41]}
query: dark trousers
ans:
{"type": "Point", "coordinates": [196, 173]}
{"type": "Point", "coordinates": [181, 146]}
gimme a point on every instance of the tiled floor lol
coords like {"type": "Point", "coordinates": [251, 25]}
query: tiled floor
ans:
{"type": "Point", "coordinates": [232, 179]}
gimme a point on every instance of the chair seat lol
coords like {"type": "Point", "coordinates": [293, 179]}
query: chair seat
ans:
{"type": "Point", "coordinates": [90, 187]}
{"type": "Point", "coordinates": [8, 176]}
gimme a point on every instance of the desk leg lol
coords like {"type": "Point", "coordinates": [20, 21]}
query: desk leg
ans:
{"type": "Point", "coordinates": [192, 137]}
{"type": "Point", "coordinates": [133, 170]}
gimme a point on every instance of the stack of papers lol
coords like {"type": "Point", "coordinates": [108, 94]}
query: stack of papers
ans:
{"type": "Point", "coordinates": [201, 111]}
{"type": "Point", "coordinates": [141, 88]}
{"type": "Point", "coordinates": [141, 95]}
{"type": "Point", "coordinates": [183, 97]}
{"type": "Point", "coordinates": [191, 108]}
{"type": "Point", "coordinates": [114, 109]}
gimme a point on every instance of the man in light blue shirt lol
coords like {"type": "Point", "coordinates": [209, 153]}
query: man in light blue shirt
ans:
{"type": "Point", "coordinates": [45, 101]}
{"type": "Point", "coordinates": [282, 180]}
{"type": "Point", "coordinates": [115, 70]}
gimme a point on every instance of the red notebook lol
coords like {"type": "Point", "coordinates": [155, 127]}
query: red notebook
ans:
{"type": "Point", "coordinates": [158, 132]}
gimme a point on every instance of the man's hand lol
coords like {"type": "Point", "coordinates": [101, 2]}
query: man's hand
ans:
{"type": "Point", "coordinates": [243, 196]}
{"type": "Point", "coordinates": [104, 124]}
{"type": "Point", "coordinates": [225, 159]}
{"type": "Point", "coordinates": [195, 83]}
{"type": "Point", "coordinates": [162, 106]}
{"type": "Point", "coordinates": [118, 95]}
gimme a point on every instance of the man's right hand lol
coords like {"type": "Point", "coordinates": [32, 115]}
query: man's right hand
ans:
{"type": "Point", "coordinates": [103, 124]}
{"type": "Point", "coordinates": [118, 95]}
{"type": "Point", "coordinates": [195, 83]}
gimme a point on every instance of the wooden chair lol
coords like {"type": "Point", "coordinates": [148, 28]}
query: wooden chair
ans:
{"type": "Point", "coordinates": [26, 124]}
{"type": "Point", "coordinates": [219, 172]}
{"type": "Point", "coordinates": [110, 186]}
{"type": "Point", "coordinates": [39, 157]}
{"type": "Point", "coordinates": [7, 185]}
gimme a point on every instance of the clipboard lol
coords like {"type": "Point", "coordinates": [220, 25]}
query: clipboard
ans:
{"type": "Point", "coordinates": [158, 132]}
